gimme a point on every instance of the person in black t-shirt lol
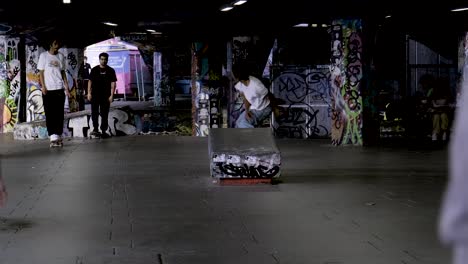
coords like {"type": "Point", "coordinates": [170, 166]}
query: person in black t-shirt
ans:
{"type": "Point", "coordinates": [83, 77]}
{"type": "Point", "coordinates": [101, 88]}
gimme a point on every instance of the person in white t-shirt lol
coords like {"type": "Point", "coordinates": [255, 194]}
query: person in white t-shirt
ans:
{"type": "Point", "coordinates": [54, 87]}
{"type": "Point", "coordinates": [256, 101]}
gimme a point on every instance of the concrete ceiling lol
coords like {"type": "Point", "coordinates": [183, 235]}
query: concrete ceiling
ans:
{"type": "Point", "coordinates": [80, 22]}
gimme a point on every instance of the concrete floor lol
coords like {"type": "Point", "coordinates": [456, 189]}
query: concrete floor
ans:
{"type": "Point", "coordinates": [150, 199]}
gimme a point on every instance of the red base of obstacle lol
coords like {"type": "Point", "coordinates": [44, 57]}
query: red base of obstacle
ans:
{"type": "Point", "coordinates": [243, 181]}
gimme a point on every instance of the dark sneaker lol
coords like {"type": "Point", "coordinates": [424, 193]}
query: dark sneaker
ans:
{"type": "Point", "coordinates": [94, 134]}
{"type": "Point", "coordinates": [105, 135]}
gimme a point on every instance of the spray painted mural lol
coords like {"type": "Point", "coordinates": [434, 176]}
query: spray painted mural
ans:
{"type": "Point", "coordinates": [74, 58]}
{"type": "Point", "coordinates": [346, 75]}
{"type": "Point", "coordinates": [255, 156]}
{"type": "Point", "coordinates": [9, 83]}
{"type": "Point", "coordinates": [306, 92]}
{"type": "Point", "coordinates": [34, 103]}
{"type": "Point", "coordinates": [206, 111]}
{"type": "Point", "coordinates": [121, 123]}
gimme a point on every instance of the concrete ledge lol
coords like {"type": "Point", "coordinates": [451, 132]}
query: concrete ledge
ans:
{"type": "Point", "coordinates": [243, 153]}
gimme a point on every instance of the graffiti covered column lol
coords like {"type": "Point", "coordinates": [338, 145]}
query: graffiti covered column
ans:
{"type": "Point", "coordinates": [73, 56]}
{"type": "Point", "coordinates": [34, 103]}
{"type": "Point", "coordinates": [207, 88]}
{"type": "Point", "coordinates": [9, 83]}
{"type": "Point", "coordinates": [157, 76]}
{"type": "Point", "coordinates": [462, 66]}
{"type": "Point", "coordinates": [346, 75]}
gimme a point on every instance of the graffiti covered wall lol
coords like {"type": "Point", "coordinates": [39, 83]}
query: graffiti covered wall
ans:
{"type": "Point", "coordinates": [9, 83]}
{"type": "Point", "coordinates": [207, 90]}
{"type": "Point", "coordinates": [346, 75]}
{"type": "Point", "coordinates": [34, 103]}
{"type": "Point", "coordinates": [306, 112]}
{"type": "Point", "coordinates": [121, 122]}
{"type": "Point", "coordinates": [462, 66]}
{"type": "Point", "coordinates": [74, 58]}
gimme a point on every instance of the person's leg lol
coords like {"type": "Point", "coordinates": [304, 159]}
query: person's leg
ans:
{"type": "Point", "coordinates": [104, 109]}
{"type": "Point", "coordinates": [60, 112]}
{"type": "Point", "coordinates": [244, 122]}
{"type": "Point", "coordinates": [444, 120]}
{"type": "Point", "coordinates": [56, 101]}
{"type": "Point", "coordinates": [95, 114]}
{"type": "Point", "coordinates": [435, 126]}
{"type": "Point", "coordinates": [261, 115]}
{"type": "Point", "coordinates": [47, 112]}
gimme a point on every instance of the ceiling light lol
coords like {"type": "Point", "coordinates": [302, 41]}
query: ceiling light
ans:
{"type": "Point", "coordinates": [314, 25]}
{"type": "Point", "coordinates": [152, 31]}
{"type": "Point", "coordinates": [239, 2]}
{"type": "Point", "coordinates": [226, 8]}
{"type": "Point", "coordinates": [110, 24]}
{"type": "Point", "coordinates": [389, 16]}
{"type": "Point", "coordinates": [301, 25]}
{"type": "Point", "coordinates": [460, 9]}
{"type": "Point", "coordinates": [324, 25]}
{"type": "Point", "coordinates": [67, 1]}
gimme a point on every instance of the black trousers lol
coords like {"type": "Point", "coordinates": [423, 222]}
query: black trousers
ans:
{"type": "Point", "coordinates": [54, 102]}
{"type": "Point", "coordinates": [100, 107]}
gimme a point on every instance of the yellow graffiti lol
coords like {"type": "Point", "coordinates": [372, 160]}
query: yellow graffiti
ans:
{"type": "Point", "coordinates": [9, 115]}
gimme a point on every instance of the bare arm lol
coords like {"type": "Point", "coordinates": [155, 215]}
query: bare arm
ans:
{"type": "Point", "coordinates": [89, 90]}
{"type": "Point", "coordinates": [112, 92]}
{"type": "Point", "coordinates": [43, 86]}
{"type": "Point", "coordinates": [65, 83]}
{"type": "Point", "coordinates": [246, 106]}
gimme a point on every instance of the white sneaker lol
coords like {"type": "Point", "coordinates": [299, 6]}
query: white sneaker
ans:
{"type": "Point", "coordinates": [434, 137]}
{"type": "Point", "coordinates": [54, 137]}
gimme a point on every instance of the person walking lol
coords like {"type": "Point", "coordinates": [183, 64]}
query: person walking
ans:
{"type": "Point", "coordinates": [101, 88]}
{"type": "Point", "coordinates": [83, 78]}
{"type": "Point", "coordinates": [54, 87]}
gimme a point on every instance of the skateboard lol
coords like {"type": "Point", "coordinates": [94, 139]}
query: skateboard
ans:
{"type": "Point", "coordinates": [56, 143]}
{"type": "Point", "coordinates": [94, 135]}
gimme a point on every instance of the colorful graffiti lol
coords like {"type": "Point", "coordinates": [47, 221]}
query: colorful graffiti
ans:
{"type": "Point", "coordinates": [121, 122]}
{"type": "Point", "coordinates": [206, 110]}
{"type": "Point", "coordinates": [346, 75]}
{"type": "Point", "coordinates": [34, 103]}
{"type": "Point", "coordinates": [9, 83]}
